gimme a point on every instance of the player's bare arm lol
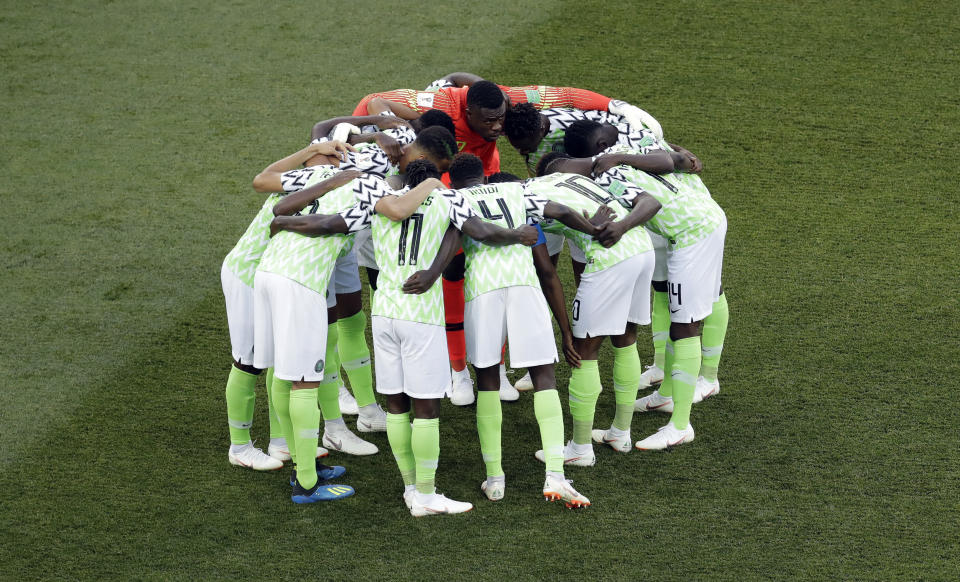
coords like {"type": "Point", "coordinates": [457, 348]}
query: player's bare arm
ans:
{"type": "Point", "coordinates": [378, 105]}
{"type": "Point", "coordinates": [644, 207]}
{"type": "Point", "coordinates": [493, 235]}
{"type": "Point", "coordinates": [553, 293]}
{"type": "Point", "coordinates": [654, 163]}
{"type": "Point", "coordinates": [570, 217]}
{"type": "Point", "coordinates": [269, 180]}
{"type": "Point", "coordinates": [421, 281]}
{"type": "Point", "coordinates": [398, 208]}
{"type": "Point", "coordinates": [310, 224]}
{"type": "Point", "coordinates": [299, 200]}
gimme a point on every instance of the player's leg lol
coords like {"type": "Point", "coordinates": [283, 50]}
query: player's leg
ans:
{"type": "Point", "coordinates": [352, 346]}
{"type": "Point", "coordinates": [549, 414]}
{"type": "Point", "coordinates": [694, 286]}
{"type": "Point", "coordinates": [336, 435]}
{"type": "Point", "coordinates": [389, 371]}
{"type": "Point", "coordinates": [240, 391]}
{"type": "Point", "coordinates": [461, 388]}
{"type": "Point", "coordinates": [714, 332]}
{"type": "Point", "coordinates": [485, 330]}
{"type": "Point", "coordinates": [626, 361]}
{"type": "Point", "coordinates": [426, 378]}
{"type": "Point", "coordinates": [660, 325]}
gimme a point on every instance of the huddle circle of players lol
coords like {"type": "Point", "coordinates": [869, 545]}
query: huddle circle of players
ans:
{"type": "Point", "coordinates": [386, 189]}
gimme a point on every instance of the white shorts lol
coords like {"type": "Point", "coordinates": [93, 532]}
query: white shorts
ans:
{"type": "Point", "coordinates": [411, 358]}
{"type": "Point", "coordinates": [346, 276]}
{"type": "Point", "coordinates": [693, 277]}
{"type": "Point", "coordinates": [363, 247]}
{"type": "Point", "coordinates": [660, 253]}
{"type": "Point", "coordinates": [289, 328]}
{"type": "Point", "coordinates": [606, 300]}
{"type": "Point", "coordinates": [555, 245]}
{"type": "Point", "coordinates": [517, 314]}
{"type": "Point", "coordinates": [239, 299]}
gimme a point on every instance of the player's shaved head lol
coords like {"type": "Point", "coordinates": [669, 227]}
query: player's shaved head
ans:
{"type": "Point", "coordinates": [500, 177]}
{"type": "Point", "coordinates": [582, 137]}
{"type": "Point", "coordinates": [485, 94]}
{"type": "Point", "coordinates": [466, 170]}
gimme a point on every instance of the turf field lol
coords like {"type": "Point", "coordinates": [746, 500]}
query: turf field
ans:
{"type": "Point", "coordinates": [130, 135]}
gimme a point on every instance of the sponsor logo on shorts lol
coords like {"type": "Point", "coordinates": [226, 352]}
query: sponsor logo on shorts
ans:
{"type": "Point", "coordinates": [318, 367]}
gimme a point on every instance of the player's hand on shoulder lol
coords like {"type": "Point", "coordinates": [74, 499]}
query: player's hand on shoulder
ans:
{"type": "Point", "coordinates": [604, 163]}
{"type": "Point", "coordinates": [276, 225]}
{"type": "Point", "coordinates": [335, 148]}
{"type": "Point", "coordinates": [528, 235]}
{"type": "Point", "coordinates": [392, 122]}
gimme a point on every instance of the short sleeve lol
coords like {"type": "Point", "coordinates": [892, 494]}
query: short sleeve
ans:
{"type": "Point", "coordinates": [370, 160]}
{"type": "Point", "coordinates": [296, 179]}
{"type": "Point", "coordinates": [357, 217]}
{"type": "Point", "coordinates": [460, 210]}
{"type": "Point", "coordinates": [534, 203]}
{"type": "Point", "coordinates": [369, 189]}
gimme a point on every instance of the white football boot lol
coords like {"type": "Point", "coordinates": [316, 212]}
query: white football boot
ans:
{"type": "Point", "coordinates": [666, 436]}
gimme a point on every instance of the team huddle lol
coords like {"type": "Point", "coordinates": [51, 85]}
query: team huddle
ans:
{"type": "Point", "coordinates": [409, 187]}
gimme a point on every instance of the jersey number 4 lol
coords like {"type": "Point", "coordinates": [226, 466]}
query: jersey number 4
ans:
{"type": "Point", "coordinates": [502, 204]}
{"type": "Point", "coordinates": [413, 233]}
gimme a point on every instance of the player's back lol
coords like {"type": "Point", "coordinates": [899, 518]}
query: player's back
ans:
{"type": "Point", "coordinates": [403, 248]}
{"type": "Point", "coordinates": [583, 195]}
{"type": "Point", "coordinates": [495, 267]}
{"type": "Point", "coordinates": [309, 260]}
{"type": "Point", "coordinates": [687, 212]}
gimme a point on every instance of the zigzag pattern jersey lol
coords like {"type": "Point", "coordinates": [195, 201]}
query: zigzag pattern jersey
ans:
{"type": "Point", "coordinates": [310, 260]}
{"type": "Point", "coordinates": [369, 158]}
{"type": "Point", "coordinates": [582, 194]}
{"type": "Point", "coordinates": [243, 259]}
{"type": "Point", "coordinates": [453, 102]}
{"type": "Point", "coordinates": [688, 212]}
{"type": "Point", "coordinates": [508, 205]}
{"type": "Point", "coordinates": [560, 120]}
{"type": "Point", "coordinates": [405, 247]}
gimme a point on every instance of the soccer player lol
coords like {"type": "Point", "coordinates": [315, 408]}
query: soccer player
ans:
{"type": "Point", "coordinates": [290, 290]}
{"type": "Point", "coordinates": [236, 276]}
{"type": "Point", "coordinates": [505, 301]}
{"type": "Point", "coordinates": [695, 227]}
{"type": "Point", "coordinates": [612, 299]}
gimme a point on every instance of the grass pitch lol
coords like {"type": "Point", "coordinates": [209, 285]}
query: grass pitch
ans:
{"type": "Point", "coordinates": [131, 132]}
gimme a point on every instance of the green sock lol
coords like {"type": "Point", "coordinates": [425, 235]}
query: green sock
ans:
{"type": "Point", "coordinates": [241, 395]}
{"type": "Point", "coordinates": [584, 390]}
{"type": "Point", "coordinates": [549, 413]}
{"type": "Point", "coordinates": [489, 420]}
{"type": "Point", "coordinates": [276, 431]}
{"type": "Point", "coordinates": [425, 442]}
{"type": "Point", "coordinates": [666, 388]}
{"type": "Point", "coordinates": [280, 394]}
{"type": "Point", "coordinates": [398, 435]}
{"type": "Point", "coordinates": [328, 393]}
{"type": "Point", "coordinates": [305, 418]}
{"type": "Point", "coordinates": [331, 366]}
{"type": "Point", "coordinates": [660, 327]}
{"type": "Point", "coordinates": [626, 380]}
{"type": "Point", "coordinates": [714, 330]}
{"type": "Point", "coordinates": [683, 377]}
{"type": "Point", "coordinates": [355, 356]}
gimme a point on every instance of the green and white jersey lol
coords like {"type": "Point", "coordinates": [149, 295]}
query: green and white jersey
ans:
{"type": "Point", "coordinates": [243, 259]}
{"type": "Point", "coordinates": [688, 212]}
{"type": "Point", "coordinates": [508, 205]}
{"type": "Point", "coordinates": [310, 260]}
{"type": "Point", "coordinates": [370, 159]}
{"type": "Point", "coordinates": [560, 119]}
{"type": "Point", "coordinates": [582, 194]}
{"type": "Point", "coordinates": [405, 247]}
